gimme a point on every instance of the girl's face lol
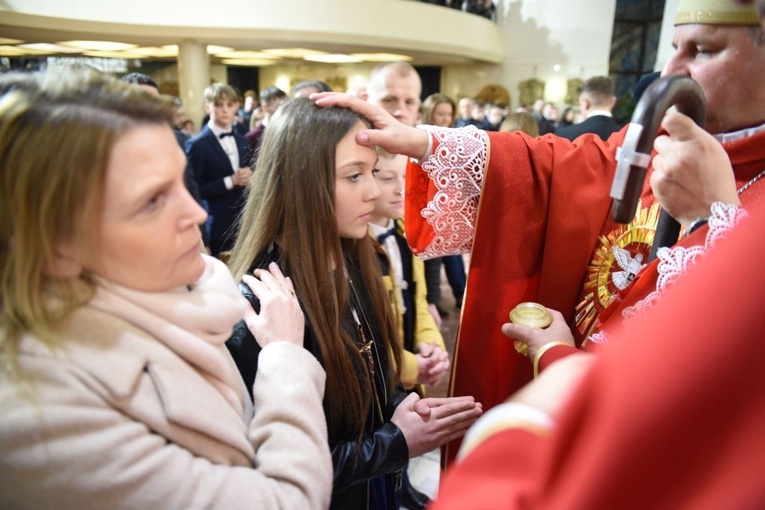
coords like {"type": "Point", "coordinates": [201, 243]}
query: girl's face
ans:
{"type": "Point", "coordinates": [148, 237]}
{"type": "Point", "coordinates": [443, 114]}
{"type": "Point", "coordinates": [355, 185]}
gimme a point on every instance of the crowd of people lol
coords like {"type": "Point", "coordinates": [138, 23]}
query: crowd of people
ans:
{"type": "Point", "coordinates": [485, 8]}
{"type": "Point", "coordinates": [592, 113]}
{"type": "Point", "coordinates": [281, 358]}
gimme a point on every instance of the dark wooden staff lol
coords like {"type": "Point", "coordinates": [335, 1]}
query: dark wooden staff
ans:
{"type": "Point", "coordinates": [635, 153]}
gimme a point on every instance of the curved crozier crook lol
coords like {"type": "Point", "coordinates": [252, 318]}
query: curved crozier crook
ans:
{"type": "Point", "coordinates": [633, 156]}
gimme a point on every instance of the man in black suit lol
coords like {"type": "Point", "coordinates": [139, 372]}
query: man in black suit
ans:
{"type": "Point", "coordinates": [220, 160]}
{"type": "Point", "coordinates": [596, 100]}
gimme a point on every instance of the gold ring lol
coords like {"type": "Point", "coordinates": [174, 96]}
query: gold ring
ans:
{"type": "Point", "coordinates": [289, 291]}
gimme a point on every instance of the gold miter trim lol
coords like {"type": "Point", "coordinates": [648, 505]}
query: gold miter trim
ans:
{"type": "Point", "coordinates": [715, 12]}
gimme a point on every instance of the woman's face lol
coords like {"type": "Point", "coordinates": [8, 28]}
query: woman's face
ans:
{"type": "Point", "coordinates": [443, 114]}
{"type": "Point", "coordinates": [148, 237]}
{"type": "Point", "coordinates": [355, 186]}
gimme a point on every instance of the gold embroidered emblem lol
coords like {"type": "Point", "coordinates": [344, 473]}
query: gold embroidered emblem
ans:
{"type": "Point", "coordinates": [619, 256]}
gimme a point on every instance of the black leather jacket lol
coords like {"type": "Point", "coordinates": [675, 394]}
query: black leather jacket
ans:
{"type": "Point", "coordinates": [383, 450]}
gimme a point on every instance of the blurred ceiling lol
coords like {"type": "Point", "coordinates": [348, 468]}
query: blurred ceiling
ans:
{"type": "Point", "coordinates": [36, 36]}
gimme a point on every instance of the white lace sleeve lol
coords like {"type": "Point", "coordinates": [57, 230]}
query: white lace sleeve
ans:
{"type": "Point", "coordinates": [675, 261]}
{"type": "Point", "coordinates": [456, 167]}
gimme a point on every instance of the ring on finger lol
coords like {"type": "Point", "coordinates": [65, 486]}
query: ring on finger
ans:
{"type": "Point", "coordinates": [289, 291]}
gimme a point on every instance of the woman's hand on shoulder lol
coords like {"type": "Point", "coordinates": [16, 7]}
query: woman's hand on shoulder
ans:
{"type": "Point", "coordinates": [280, 318]}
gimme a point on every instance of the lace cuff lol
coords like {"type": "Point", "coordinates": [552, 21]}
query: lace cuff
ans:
{"type": "Point", "coordinates": [675, 261]}
{"type": "Point", "coordinates": [454, 164]}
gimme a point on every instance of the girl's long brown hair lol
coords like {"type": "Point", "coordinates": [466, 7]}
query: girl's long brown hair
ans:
{"type": "Point", "coordinates": [291, 201]}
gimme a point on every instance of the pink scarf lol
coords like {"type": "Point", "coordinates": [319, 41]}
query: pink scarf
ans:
{"type": "Point", "coordinates": [194, 322]}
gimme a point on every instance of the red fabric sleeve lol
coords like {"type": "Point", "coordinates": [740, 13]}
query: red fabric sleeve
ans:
{"type": "Point", "coordinates": [554, 354]}
{"type": "Point", "coordinates": [419, 191]}
{"type": "Point", "coordinates": [485, 478]}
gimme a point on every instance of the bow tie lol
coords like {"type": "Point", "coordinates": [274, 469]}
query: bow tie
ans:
{"type": "Point", "coordinates": [385, 235]}
{"type": "Point", "coordinates": [224, 135]}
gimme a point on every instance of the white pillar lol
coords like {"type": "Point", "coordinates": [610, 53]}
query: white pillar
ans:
{"type": "Point", "coordinates": [193, 77]}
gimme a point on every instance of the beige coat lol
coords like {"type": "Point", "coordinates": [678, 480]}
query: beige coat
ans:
{"type": "Point", "coordinates": [114, 419]}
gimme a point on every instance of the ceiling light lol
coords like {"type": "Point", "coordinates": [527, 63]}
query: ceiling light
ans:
{"type": "Point", "coordinates": [247, 62]}
{"type": "Point", "coordinates": [113, 54]}
{"type": "Point", "coordinates": [153, 51]}
{"type": "Point", "coordinates": [5, 40]}
{"type": "Point", "coordinates": [212, 49]}
{"type": "Point", "coordinates": [98, 45]}
{"type": "Point", "coordinates": [259, 55]}
{"type": "Point", "coordinates": [49, 48]}
{"type": "Point", "coordinates": [335, 58]}
{"type": "Point", "coordinates": [16, 51]}
{"type": "Point", "coordinates": [382, 57]}
{"type": "Point", "coordinates": [293, 52]}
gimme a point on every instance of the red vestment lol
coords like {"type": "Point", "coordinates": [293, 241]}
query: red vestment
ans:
{"type": "Point", "coordinates": [543, 233]}
{"type": "Point", "coordinates": [671, 415]}
{"type": "Point", "coordinates": [649, 285]}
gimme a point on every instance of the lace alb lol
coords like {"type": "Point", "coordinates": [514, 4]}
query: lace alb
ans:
{"type": "Point", "coordinates": [456, 168]}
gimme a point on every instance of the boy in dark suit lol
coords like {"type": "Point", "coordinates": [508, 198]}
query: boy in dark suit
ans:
{"type": "Point", "coordinates": [220, 161]}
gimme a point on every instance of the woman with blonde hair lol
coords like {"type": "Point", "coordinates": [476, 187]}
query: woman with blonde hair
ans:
{"type": "Point", "coordinates": [308, 210]}
{"type": "Point", "coordinates": [116, 388]}
{"type": "Point", "coordinates": [438, 110]}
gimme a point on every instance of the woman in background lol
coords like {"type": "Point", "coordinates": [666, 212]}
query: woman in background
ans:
{"type": "Point", "coordinates": [116, 388]}
{"type": "Point", "coordinates": [521, 121]}
{"type": "Point", "coordinates": [568, 117]}
{"type": "Point", "coordinates": [308, 211]}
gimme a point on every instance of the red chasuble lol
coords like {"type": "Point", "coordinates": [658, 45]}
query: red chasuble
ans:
{"type": "Point", "coordinates": [544, 233]}
{"type": "Point", "coordinates": [671, 415]}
